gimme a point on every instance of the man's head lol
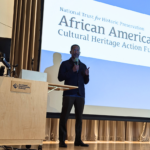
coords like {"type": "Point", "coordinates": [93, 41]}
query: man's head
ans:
{"type": "Point", "coordinates": [75, 51]}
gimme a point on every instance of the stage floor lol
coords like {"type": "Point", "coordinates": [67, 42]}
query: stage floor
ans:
{"type": "Point", "coordinates": [93, 146]}
{"type": "Point", "coordinates": [100, 146]}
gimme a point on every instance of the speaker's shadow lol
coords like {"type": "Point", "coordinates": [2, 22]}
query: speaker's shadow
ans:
{"type": "Point", "coordinates": [54, 102]}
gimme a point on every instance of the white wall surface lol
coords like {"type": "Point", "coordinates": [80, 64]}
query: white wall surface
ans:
{"type": "Point", "coordinates": [6, 18]}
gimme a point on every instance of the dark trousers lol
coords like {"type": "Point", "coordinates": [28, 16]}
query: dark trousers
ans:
{"type": "Point", "coordinates": [68, 102]}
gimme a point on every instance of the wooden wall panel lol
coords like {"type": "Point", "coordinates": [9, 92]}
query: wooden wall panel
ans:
{"type": "Point", "coordinates": [37, 35]}
{"type": "Point", "coordinates": [33, 30]}
{"type": "Point", "coordinates": [17, 39]}
{"type": "Point", "coordinates": [26, 34]}
{"type": "Point", "coordinates": [22, 34]}
{"type": "Point", "coordinates": [14, 31]}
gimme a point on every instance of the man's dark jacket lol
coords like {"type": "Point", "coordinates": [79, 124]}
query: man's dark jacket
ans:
{"type": "Point", "coordinates": [73, 78]}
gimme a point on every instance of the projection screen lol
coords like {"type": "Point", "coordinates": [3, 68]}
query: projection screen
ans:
{"type": "Point", "coordinates": [114, 37]}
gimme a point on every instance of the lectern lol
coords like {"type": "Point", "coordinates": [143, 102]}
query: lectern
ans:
{"type": "Point", "coordinates": [23, 106]}
{"type": "Point", "coordinates": [22, 111]}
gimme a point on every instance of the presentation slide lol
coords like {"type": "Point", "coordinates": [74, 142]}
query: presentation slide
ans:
{"type": "Point", "coordinates": [114, 40]}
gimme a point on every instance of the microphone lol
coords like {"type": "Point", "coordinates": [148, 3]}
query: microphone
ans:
{"type": "Point", "coordinates": [76, 61]}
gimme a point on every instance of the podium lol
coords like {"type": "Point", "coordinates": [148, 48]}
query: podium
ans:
{"type": "Point", "coordinates": [23, 106]}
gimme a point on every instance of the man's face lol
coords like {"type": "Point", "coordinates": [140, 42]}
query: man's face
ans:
{"type": "Point", "coordinates": [75, 52]}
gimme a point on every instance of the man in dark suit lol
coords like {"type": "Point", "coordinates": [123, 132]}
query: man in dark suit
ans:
{"type": "Point", "coordinates": [74, 73]}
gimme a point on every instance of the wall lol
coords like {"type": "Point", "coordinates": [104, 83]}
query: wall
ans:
{"type": "Point", "coordinates": [6, 18]}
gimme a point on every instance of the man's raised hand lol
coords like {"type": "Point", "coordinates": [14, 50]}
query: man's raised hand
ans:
{"type": "Point", "coordinates": [87, 71]}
